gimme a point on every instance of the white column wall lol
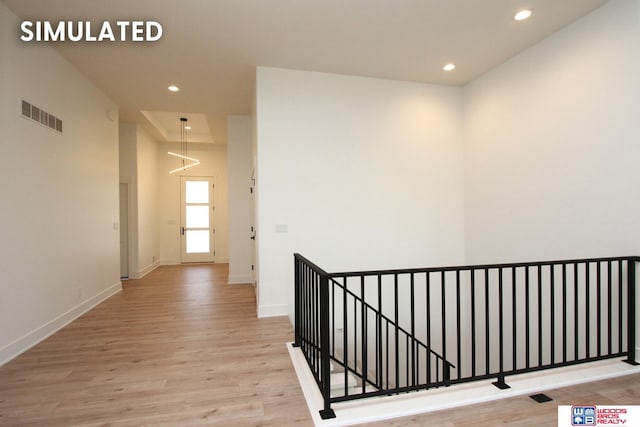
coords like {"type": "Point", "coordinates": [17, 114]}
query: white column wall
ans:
{"type": "Point", "coordinates": [148, 195]}
{"type": "Point", "coordinates": [239, 158]}
{"type": "Point", "coordinates": [354, 173]}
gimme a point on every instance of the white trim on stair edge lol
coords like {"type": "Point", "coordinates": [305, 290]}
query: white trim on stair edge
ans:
{"type": "Point", "coordinates": [387, 407]}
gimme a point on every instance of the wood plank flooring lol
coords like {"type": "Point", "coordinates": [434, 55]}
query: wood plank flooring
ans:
{"type": "Point", "coordinates": [181, 347]}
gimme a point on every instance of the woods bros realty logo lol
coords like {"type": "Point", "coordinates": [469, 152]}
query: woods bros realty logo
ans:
{"type": "Point", "coordinates": [83, 31]}
{"type": "Point", "coordinates": [592, 415]}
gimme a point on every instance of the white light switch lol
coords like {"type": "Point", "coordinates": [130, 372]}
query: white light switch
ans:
{"type": "Point", "coordinates": [282, 228]}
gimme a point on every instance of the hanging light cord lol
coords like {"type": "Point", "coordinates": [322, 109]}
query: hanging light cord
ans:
{"type": "Point", "coordinates": [183, 139]}
{"type": "Point", "coordinates": [184, 149]}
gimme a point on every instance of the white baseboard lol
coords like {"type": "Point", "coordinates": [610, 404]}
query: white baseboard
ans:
{"type": "Point", "coordinates": [274, 310]}
{"type": "Point", "coordinates": [146, 270]}
{"type": "Point", "coordinates": [178, 262]}
{"type": "Point", "coordinates": [239, 279]}
{"type": "Point", "coordinates": [39, 334]}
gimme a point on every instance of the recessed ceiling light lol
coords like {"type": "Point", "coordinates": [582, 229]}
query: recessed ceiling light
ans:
{"type": "Point", "coordinates": [187, 127]}
{"type": "Point", "coordinates": [449, 67]}
{"type": "Point", "coordinates": [173, 88]}
{"type": "Point", "coordinates": [522, 15]}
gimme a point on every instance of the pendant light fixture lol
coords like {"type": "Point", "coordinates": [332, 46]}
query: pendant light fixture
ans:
{"type": "Point", "coordinates": [183, 156]}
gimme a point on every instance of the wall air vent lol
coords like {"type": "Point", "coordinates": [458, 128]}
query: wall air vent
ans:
{"type": "Point", "coordinates": [39, 115]}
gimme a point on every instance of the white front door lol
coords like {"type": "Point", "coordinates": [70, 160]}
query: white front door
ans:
{"type": "Point", "coordinates": [197, 228]}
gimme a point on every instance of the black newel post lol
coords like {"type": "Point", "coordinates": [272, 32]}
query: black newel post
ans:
{"type": "Point", "coordinates": [327, 412]}
{"type": "Point", "coordinates": [296, 298]}
{"type": "Point", "coordinates": [631, 311]}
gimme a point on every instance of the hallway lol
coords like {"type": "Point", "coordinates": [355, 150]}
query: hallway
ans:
{"type": "Point", "coordinates": [178, 347]}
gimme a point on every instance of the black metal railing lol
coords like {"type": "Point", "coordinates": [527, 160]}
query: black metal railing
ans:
{"type": "Point", "coordinates": [394, 331]}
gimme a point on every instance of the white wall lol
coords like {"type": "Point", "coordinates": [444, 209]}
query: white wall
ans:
{"type": "Point", "coordinates": [59, 192]}
{"type": "Point", "coordinates": [240, 164]}
{"type": "Point", "coordinates": [139, 158]}
{"type": "Point", "coordinates": [128, 165]}
{"type": "Point", "coordinates": [362, 173]}
{"type": "Point", "coordinates": [551, 142]}
{"type": "Point", "coordinates": [148, 190]}
{"type": "Point", "coordinates": [213, 160]}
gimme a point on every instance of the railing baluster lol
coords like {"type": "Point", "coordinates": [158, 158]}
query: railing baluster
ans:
{"type": "Point", "coordinates": [413, 331]}
{"type": "Point", "coordinates": [588, 307]}
{"type": "Point", "coordinates": [313, 344]}
{"type": "Point", "coordinates": [458, 330]}
{"type": "Point", "coordinates": [539, 315]}
{"type": "Point", "coordinates": [576, 352]}
{"type": "Point", "coordinates": [620, 305]}
{"type": "Point", "coordinates": [407, 356]}
{"type": "Point", "coordinates": [631, 311]}
{"type": "Point", "coordinates": [313, 341]}
{"type": "Point", "coordinates": [527, 317]}
{"type": "Point", "coordinates": [296, 299]}
{"type": "Point", "coordinates": [379, 334]}
{"type": "Point", "coordinates": [364, 335]}
{"type": "Point", "coordinates": [514, 331]}
{"type": "Point", "coordinates": [564, 313]}
{"type": "Point", "coordinates": [609, 315]}
{"type": "Point", "coordinates": [345, 327]}
{"type": "Point", "coordinates": [387, 358]}
{"type": "Point", "coordinates": [309, 344]}
{"type": "Point", "coordinates": [316, 321]}
{"type": "Point", "coordinates": [355, 345]}
{"type": "Point", "coordinates": [473, 322]}
{"type": "Point", "coordinates": [397, 342]}
{"type": "Point", "coordinates": [444, 318]}
{"type": "Point", "coordinates": [332, 290]}
{"type": "Point", "coordinates": [486, 322]}
{"type": "Point", "coordinates": [598, 310]}
{"type": "Point", "coordinates": [500, 323]}
{"type": "Point", "coordinates": [428, 298]}
{"type": "Point", "coordinates": [552, 331]}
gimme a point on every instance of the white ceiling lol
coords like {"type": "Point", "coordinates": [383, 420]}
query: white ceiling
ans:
{"type": "Point", "coordinates": [210, 48]}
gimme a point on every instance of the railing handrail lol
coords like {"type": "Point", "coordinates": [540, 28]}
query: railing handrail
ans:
{"type": "Point", "coordinates": [400, 328]}
{"type": "Point", "coordinates": [311, 264]}
{"type": "Point", "coordinates": [479, 266]}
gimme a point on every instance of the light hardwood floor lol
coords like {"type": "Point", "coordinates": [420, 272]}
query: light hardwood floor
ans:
{"type": "Point", "coordinates": [181, 347]}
